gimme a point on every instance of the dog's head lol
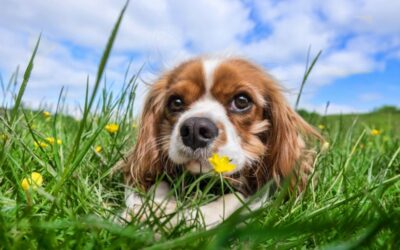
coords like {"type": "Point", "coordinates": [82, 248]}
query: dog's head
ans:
{"type": "Point", "coordinates": [225, 106]}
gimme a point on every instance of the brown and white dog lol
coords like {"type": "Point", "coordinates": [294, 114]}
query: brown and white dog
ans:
{"type": "Point", "coordinates": [227, 106]}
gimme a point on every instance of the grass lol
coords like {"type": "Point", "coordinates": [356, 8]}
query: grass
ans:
{"type": "Point", "coordinates": [353, 201]}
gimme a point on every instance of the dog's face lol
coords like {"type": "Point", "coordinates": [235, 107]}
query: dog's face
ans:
{"type": "Point", "coordinates": [225, 106]}
{"type": "Point", "coordinates": [214, 106]}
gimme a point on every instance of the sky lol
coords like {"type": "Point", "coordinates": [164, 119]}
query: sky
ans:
{"type": "Point", "coordinates": [359, 68]}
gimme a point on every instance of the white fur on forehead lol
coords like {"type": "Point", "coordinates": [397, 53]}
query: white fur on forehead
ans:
{"type": "Point", "coordinates": [209, 67]}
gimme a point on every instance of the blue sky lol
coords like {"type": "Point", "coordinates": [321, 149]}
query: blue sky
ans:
{"type": "Point", "coordinates": [360, 39]}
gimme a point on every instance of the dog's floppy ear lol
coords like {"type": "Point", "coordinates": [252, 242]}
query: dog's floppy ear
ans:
{"type": "Point", "coordinates": [143, 164]}
{"type": "Point", "coordinates": [287, 151]}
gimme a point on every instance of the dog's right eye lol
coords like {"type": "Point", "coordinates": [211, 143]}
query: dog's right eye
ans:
{"type": "Point", "coordinates": [175, 104]}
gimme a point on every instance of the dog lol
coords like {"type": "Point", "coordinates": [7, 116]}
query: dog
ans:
{"type": "Point", "coordinates": [227, 106]}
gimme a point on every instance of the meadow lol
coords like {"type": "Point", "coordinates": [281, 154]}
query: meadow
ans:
{"type": "Point", "coordinates": [351, 202]}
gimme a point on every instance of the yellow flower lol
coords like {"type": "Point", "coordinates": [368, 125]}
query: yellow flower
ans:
{"type": "Point", "coordinates": [221, 164]}
{"type": "Point", "coordinates": [34, 181]}
{"type": "Point", "coordinates": [134, 125]}
{"type": "Point", "coordinates": [112, 128]}
{"type": "Point", "coordinates": [40, 144]}
{"type": "Point", "coordinates": [4, 137]}
{"type": "Point", "coordinates": [375, 132]}
{"type": "Point", "coordinates": [51, 140]}
{"type": "Point", "coordinates": [98, 149]}
{"type": "Point", "coordinates": [325, 146]}
{"type": "Point", "coordinates": [46, 114]}
{"type": "Point", "coordinates": [321, 126]}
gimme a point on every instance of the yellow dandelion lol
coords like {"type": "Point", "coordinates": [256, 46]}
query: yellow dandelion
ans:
{"type": "Point", "coordinates": [325, 146]}
{"type": "Point", "coordinates": [4, 137]}
{"type": "Point", "coordinates": [52, 140]}
{"type": "Point", "coordinates": [34, 181]}
{"type": "Point", "coordinates": [46, 114]}
{"type": "Point", "coordinates": [98, 149]}
{"type": "Point", "coordinates": [375, 132]}
{"type": "Point", "coordinates": [221, 164]}
{"type": "Point", "coordinates": [40, 144]}
{"type": "Point", "coordinates": [112, 128]}
{"type": "Point", "coordinates": [321, 126]}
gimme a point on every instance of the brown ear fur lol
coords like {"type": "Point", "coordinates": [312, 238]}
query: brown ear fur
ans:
{"type": "Point", "coordinates": [287, 152]}
{"type": "Point", "coordinates": [143, 164]}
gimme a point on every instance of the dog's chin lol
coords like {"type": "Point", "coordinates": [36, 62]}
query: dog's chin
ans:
{"type": "Point", "coordinates": [198, 167]}
{"type": "Point", "coordinates": [196, 162]}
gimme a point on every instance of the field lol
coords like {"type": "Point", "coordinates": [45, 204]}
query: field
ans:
{"type": "Point", "coordinates": [352, 202]}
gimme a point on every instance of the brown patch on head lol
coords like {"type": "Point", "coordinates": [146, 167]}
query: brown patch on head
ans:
{"type": "Point", "coordinates": [235, 77]}
{"type": "Point", "coordinates": [186, 82]}
{"type": "Point", "coordinates": [191, 71]}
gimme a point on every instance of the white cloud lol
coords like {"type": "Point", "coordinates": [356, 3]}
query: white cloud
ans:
{"type": "Point", "coordinates": [163, 32]}
{"type": "Point", "coordinates": [211, 25]}
{"type": "Point", "coordinates": [289, 41]}
{"type": "Point", "coordinates": [341, 64]}
{"type": "Point", "coordinates": [368, 97]}
{"type": "Point", "coordinates": [152, 32]}
{"type": "Point", "coordinates": [333, 108]}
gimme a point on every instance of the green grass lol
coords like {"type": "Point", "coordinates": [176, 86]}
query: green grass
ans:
{"type": "Point", "coordinates": [352, 202]}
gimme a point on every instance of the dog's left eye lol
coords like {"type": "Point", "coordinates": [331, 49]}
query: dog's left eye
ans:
{"type": "Point", "coordinates": [240, 103]}
{"type": "Point", "coordinates": [175, 104]}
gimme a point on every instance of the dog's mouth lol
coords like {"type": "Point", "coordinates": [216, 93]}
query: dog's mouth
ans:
{"type": "Point", "coordinates": [196, 161]}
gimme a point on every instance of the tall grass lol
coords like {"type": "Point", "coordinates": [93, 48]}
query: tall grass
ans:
{"type": "Point", "coordinates": [352, 201]}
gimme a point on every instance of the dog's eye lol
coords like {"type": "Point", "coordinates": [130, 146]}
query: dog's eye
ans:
{"type": "Point", "coordinates": [241, 103]}
{"type": "Point", "coordinates": [175, 104]}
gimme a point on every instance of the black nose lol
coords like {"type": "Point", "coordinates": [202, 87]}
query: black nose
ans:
{"type": "Point", "coordinates": [198, 132]}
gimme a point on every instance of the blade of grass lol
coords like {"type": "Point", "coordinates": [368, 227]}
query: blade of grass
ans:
{"type": "Point", "coordinates": [22, 88]}
{"type": "Point", "coordinates": [100, 72]}
{"type": "Point", "coordinates": [305, 77]}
